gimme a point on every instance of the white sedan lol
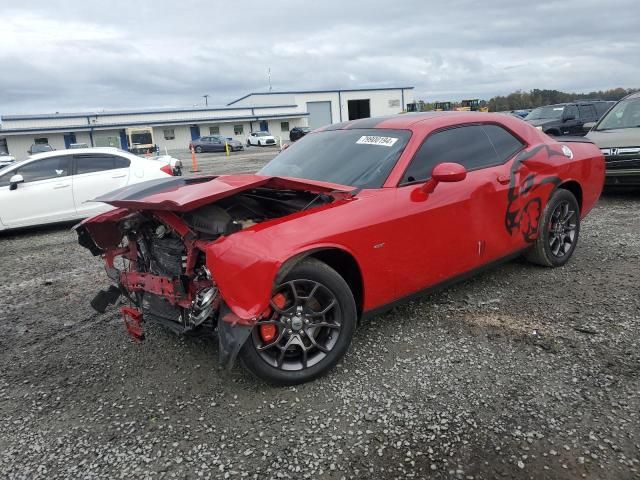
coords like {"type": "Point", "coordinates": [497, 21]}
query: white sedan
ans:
{"type": "Point", "coordinates": [261, 139]}
{"type": "Point", "coordinates": [57, 186]}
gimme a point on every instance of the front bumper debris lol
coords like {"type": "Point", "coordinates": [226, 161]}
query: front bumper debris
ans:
{"type": "Point", "coordinates": [231, 336]}
{"type": "Point", "coordinates": [133, 322]}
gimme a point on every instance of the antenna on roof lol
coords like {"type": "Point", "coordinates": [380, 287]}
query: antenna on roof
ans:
{"type": "Point", "coordinates": [269, 78]}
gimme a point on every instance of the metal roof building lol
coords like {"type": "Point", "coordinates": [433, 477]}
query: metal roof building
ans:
{"type": "Point", "coordinates": [173, 129]}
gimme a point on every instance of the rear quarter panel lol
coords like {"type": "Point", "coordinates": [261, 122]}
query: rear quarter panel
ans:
{"type": "Point", "coordinates": [588, 169]}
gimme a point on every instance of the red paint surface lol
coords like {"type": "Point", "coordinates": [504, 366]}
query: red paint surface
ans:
{"type": "Point", "coordinates": [403, 239]}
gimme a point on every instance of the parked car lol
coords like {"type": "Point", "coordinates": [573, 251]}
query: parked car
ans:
{"type": "Point", "coordinates": [618, 136]}
{"type": "Point", "coordinates": [567, 118]}
{"type": "Point", "coordinates": [297, 133]}
{"type": "Point", "coordinates": [350, 221]}
{"type": "Point", "coordinates": [261, 139]}
{"type": "Point", "coordinates": [6, 159]}
{"type": "Point", "coordinates": [40, 148]}
{"type": "Point", "coordinates": [57, 186]}
{"type": "Point", "coordinates": [215, 143]}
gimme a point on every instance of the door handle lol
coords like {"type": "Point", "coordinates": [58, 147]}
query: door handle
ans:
{"type": "Point", "coordinates": [58, 187]}
{"type": "Point", "coordinates": [503, 179]}
{"type": "Point", "coordinates": [120, 176]}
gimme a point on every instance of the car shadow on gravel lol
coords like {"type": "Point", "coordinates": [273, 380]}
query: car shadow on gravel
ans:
{"type": "Point", "coordinates": [36, 231]}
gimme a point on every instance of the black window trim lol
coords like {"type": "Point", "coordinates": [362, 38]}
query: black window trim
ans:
{"type": "Point", "coordinates": [458, 125]}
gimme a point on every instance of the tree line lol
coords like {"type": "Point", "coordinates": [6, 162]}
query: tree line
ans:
{"type": "Point", "coordinates": [521, 100]}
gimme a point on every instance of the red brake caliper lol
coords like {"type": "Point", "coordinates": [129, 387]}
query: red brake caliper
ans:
{"type": "Point", "coordinates": [269, 331]}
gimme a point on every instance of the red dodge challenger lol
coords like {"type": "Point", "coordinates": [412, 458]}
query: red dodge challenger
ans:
{"type": "Point", "coordinates": [344, 223]}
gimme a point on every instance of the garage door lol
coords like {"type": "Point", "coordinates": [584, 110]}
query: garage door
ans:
{"type": "Point", "coordinates": [319, 114]}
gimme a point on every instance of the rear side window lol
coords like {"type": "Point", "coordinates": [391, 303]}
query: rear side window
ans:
{"type": "Point", "coordinates": [99, 163]}
{"type": "Point", "coordinates": [45, 169]}
{"type": "Point", "coordinates": [587, 113]}
{"type": "Point", "coordinates": [505, 143]}
{"type": "Point", "coordinates": [468, 145]}
{"type": "Point", "coordinates": [121, 162]}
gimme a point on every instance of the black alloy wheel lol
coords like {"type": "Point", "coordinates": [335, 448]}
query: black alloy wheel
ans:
{"type": "Point", "coordinates": [559, 231]}
{"type": "Point", "coordinates": [312, 322]}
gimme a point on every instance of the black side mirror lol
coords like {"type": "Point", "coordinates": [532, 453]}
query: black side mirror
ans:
{"type": "Point", "coordinates": [568, 117]}
{"type": "Point", "coordinates": [14, 181]}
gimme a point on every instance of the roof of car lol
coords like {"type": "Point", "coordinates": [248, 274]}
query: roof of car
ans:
{"type": "Point", "coordinates": [78, 151]}
{"type": "Point", "coordinates": [409, 120]}
{"type": "Point", "coordinates": [633, 95]}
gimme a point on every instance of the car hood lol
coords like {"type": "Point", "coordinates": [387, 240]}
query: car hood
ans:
{"type": "Point", "coordinates": [182, 194]}
{"type": "Point", "coordinates": [541, 122]}
{"type": "Point", "coordinates": [620, 137]}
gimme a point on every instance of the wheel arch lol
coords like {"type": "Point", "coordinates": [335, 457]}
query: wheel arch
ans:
{"type": "Point", "coordinates": [341, 260]}
{"type": "Point", "coordinates": [575, 188]}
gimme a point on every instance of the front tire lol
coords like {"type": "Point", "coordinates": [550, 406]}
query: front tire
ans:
{"type": "Point", "coordinates": [312, 323]}
{"type": "Point", "coordinates": [558, 231]}
{"type": "Point", "coordinates": [198, 149]}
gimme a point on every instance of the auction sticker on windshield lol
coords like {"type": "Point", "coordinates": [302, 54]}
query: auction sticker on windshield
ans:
{"type": "Point", "coordinates": [375, 140]}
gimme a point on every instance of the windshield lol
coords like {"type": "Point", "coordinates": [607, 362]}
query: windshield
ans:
{"type": "Point", "coordinates": [626, 114]}
{"type": "Point", "coordinates": [263, 134]}
{"type": "Point", "coordinates": [543, 113]}
{"type": "Point", "coordinates": [357, 157]}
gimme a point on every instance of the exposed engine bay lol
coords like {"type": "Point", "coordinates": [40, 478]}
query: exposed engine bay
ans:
{"type": "Point", "coordinates": [158, 264]}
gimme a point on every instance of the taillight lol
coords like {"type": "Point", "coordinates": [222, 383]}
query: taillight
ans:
{"type": "Point", "coordinates": [167, 169]}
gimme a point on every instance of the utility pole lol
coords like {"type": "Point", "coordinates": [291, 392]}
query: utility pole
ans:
{"type": "Point", "coordinates": [206, 100]}
{"type": "Point", "coordinates": [269, 78]}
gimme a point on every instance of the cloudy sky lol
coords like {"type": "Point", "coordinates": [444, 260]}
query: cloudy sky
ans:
{"type": "Point", "coordinates": [111, 54]}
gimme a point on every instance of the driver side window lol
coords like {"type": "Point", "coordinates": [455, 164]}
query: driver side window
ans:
{"type": "Point", "coordinates": [467, 145]}
{"type": "Point", "coordinates": [4, 179]}
{"type": "Point", "coordinates": [44, 169]}
{"type": "Point", "coordinates": [570, 111]}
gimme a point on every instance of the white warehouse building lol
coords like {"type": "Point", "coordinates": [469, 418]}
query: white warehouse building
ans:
{"type": "Point", "coordinates": [173, 129]}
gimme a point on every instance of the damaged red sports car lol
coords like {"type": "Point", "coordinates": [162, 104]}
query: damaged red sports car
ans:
{"type": "Point", "coordinates": [344, 223]}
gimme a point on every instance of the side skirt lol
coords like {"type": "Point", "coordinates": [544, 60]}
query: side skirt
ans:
{"type": "Point", "coordinates": [440, 286]}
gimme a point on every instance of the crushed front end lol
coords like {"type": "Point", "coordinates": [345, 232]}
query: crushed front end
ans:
{"type": "Point", "coordinates": [156, 261]}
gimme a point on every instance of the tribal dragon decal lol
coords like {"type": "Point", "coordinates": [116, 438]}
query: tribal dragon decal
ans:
{"type": "Point", "coordinates": [525, 203]}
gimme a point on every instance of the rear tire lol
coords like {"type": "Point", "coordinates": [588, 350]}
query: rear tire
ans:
{"type": "Point", "coordinates": [301, 351]}
{"type": "Point", "coordinates": [558, 232]}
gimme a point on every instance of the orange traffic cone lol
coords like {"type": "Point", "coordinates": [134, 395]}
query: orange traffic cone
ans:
{"type": "Point", "coordinates": [194, 161]}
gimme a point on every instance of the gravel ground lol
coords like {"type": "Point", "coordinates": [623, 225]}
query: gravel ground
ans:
{"type": "Point", "coordinates": [521, 372]}
{"type": "Point", "coordinates": [247, 161]}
